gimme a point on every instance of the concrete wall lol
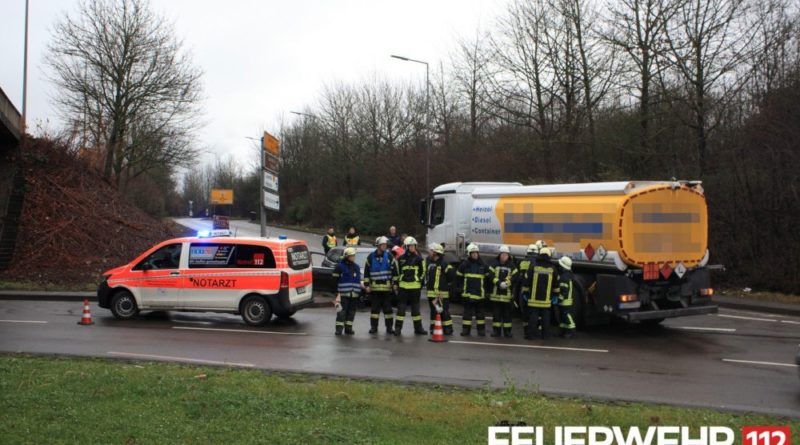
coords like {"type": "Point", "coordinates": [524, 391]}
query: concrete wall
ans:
{"type": "Point", "coordinates": [10, 132]}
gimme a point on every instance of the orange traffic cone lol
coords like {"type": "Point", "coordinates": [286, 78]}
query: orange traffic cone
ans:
{"type": "Point", "coordinates": [437, 336]}
{"type": "Point", "coordinates": [86, 319]}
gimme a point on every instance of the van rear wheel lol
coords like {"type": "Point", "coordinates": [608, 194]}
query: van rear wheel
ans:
{"type": "Point", "coordinates": [123, 305]}
{"type": "Point", "coordinates": [256, 311]}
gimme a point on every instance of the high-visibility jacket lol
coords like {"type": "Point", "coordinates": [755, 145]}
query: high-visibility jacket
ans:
{"type": "Point", "coordinates": [439, 277]}
{"type": "Point", "coordinates": [410, 271]}
{"type": "Point", "coordinates": [351, 240]}
{"type": "Point", "coordinates": [378, 271]}
{"type": "Point", "coordinates": [348, 279]}
{"type": "Point", "coordinates": [541, 278]}
{"type": "Point", "coordinates": [328, 242]}
{"type": "Point", "coordinates": [565, 287]}
{"type": "Point", "coordinates": [473, 276]}
{"type": "Point", "coordinates": [524, 265]}
{"type": "Point", "coordinates": [502, 273]}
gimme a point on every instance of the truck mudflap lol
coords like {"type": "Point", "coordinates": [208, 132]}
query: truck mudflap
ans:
{"type": "Point", "coordinates": [668, 313]}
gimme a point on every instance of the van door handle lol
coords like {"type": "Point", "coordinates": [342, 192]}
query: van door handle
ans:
{"type": "Point", "coordinates": [174, 274]}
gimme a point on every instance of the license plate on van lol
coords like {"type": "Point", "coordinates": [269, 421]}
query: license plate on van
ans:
{"type": "Point", "coordinates": [301, 290]}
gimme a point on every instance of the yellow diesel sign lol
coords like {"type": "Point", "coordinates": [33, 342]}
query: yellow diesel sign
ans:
{"type": "Point", "coordinates": [221, 196]}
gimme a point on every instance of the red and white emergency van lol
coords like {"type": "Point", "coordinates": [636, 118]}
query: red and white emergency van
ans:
{"type": "Point", "coordinates": [254, 277]}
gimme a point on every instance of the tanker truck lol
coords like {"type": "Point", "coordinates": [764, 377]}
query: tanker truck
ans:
{"type": "Point", "coordinates": [639, 248]}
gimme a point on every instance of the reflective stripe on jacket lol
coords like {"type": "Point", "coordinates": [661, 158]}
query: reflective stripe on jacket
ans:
{"type": "Point", "coordinates": [352, 240]}
{"type": "Point", "coordinates": [329, 241]}
{"type": "Point", "coordinates": [541, 276]}
{"type": "Point", "coordinates": [565, 287]}
{"type": "Point", "coordinates": [378, 271]}
{"type": "Point", "coordinates": [410, 271]}
{"type": "Point", "coordinates": [440, 276]}
{"type": "Point", "coordinates": [502, 273]}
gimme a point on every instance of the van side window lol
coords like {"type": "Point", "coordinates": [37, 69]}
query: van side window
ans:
{"type": "Point", "coordinates": [230, 256]}
{"type": "Point", "coordinates": [437, 212]}
{"type": "Point", "coordinates": [167, 257]}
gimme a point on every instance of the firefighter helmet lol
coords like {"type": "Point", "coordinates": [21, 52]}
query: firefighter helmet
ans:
{"type": "Point", "coordinates": [410, 241]}
{"type": "Point", "coordinates": [504, 249]}
{"type": "Point", "coordinates": [472, 248]}
{"type": "Point", "coordinates": [436, 247]}
{"type": "Point", "coordinates": [565, 262]}
{"type": "Point", "coordinates": [350, 251]}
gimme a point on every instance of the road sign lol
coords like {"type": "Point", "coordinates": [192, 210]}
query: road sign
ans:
{"type": "Point", "coordinates": [271, 181]}
{"type": "Point", "coordinates": [271, 163]}
{"type": "Point", "coordinates": [271, 145]}
{"type": "Point", "coordinates": [272, 201]}
{"type": "Point", "coordinates": [221, 196]}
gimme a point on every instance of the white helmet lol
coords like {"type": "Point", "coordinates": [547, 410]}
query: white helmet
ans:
{"type": "Point", "coordinates": [533, 248]}
{"type": "Point", "coordinates": [504, 249]}
{"type": "Point", "coordinates": [472, 248]}
{"type": "Point", "coordinates": [565, 262]}
{"type": "Point", "coordinates": [410, 241]}
{"type": "Point", "coordinates": [350, 251]}
{"type": "Point", "coordinates": [436, 247]}
{"type": "Point", "coordinates": [545, 251]}
{"type": "Point", "coordinates": [381, 240]}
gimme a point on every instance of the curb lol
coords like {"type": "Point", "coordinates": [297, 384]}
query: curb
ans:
{"type": "Point", "coordinates": [757, 306]}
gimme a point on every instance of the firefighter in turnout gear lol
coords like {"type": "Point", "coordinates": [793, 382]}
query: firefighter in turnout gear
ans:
{"type": "Point", "coordinates": [348, 288]}
{"type": "Point", "coordinates": [378, 285]}
{"type": "Point", "coordinates": [542, 280]}
{"type": "Point", "coordinates": [565, 293]}
{"type": "Point", "coordinates": [329, 240]}
{"type": "Point", "coordinates": [473, 277]}
{"type": "Point", "coordinates": [504, 275]}
{"type": "Point", "coordinates": [523, 287]}
{"type": "Point", "coordinates": [409, 275]}
{"type": "Point", "coordinates": [351, 239]}
{"type": "Point", "coordinates": [440, 275]}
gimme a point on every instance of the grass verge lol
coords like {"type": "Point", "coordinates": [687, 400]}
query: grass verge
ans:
{"type": "Point", "coordinates": [74, 400]}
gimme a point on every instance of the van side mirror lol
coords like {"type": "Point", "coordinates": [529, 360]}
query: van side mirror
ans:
{"type": "Point", "coordinates": [423, 212]}
{"type": "Point", "coordinates": [146, 266]}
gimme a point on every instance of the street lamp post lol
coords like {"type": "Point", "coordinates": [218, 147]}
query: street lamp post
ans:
{"type": "Point", "coordinates": [263, 212]}
{"type": "Point", "coordinates": [25, 76]}
{"type": "Point", "coordinates": [427, 119]}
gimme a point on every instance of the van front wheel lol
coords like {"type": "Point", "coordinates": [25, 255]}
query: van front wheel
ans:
{"type": "Point", "coordinates": [123, 305]}
{"type": "Point", "coordinates": [256, 311]}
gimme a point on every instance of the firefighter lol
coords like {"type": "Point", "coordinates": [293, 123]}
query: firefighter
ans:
{"type": "Point", "coordinates": [348, 288]}
{"type": "Point", "coordinates": [438, 280]}
{"type": "Point", "coordinates": [504, 275]}
{"type": "Point", "coordinates": [378, 285]}
{"type": "Point", "coordinates": [541, 278]}
{"type": "Point", "coordinates": [565, 288]}
{"type": "Point", "coordinates": [351, 239]}
{"type": "Point", "coordinates": [523, 288]}
{"type": "Point", "coordinates": [409, 275]}
{"type": "Point", "coordinates": [473, 277]}
{"type": "Point", "coordinates": [329, 240]}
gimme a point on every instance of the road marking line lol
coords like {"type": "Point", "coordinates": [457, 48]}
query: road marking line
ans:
{"type": "Point", "coordinates": [747, 318]}
{"type": "Point", "coordinates": [700, 328]}
{"type": "Point", "coordinates": [23, 321]}
{"type": "Point", "coordinates": [751, 362]}
{"type": "Point", "coordinates": [188, 328]}
{"type": "Point", "coordinates": [508, 345]}
{"type": "Point", "coordinates": [790, 322]}
{"type": "Point", "coordinates": [182, 359]}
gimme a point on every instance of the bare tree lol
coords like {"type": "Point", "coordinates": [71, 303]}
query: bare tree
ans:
{"type": "Point", "coordinates": [121, 71]}
{"type": "Point", "coordinates": [471, 73]}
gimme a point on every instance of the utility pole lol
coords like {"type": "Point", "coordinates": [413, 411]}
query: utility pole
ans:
{"type": "Point", "coordinates": [25, 77]}
{"type": "Point", "coordinates": [261, 154]}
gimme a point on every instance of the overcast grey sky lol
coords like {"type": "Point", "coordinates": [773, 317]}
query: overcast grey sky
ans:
{"type": "Point", "coordinates": [262, 58]}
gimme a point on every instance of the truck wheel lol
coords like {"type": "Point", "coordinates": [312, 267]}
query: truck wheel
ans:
{"type": "Point", "coordinates": [123, 305]}
{"type": "Point", "coordinates": [256, 310]}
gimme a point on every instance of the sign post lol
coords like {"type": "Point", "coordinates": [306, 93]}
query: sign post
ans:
{"type": "Point", "coordinates": [270, 161]}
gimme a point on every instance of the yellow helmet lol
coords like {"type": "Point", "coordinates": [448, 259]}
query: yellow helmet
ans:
{"type": "Point", "coordinates": [350, 251]}
{"type": "Point", "coordinates": [565, 262]}
{"type": "Point", "coordinates": [472, 248]}
{"type": "Point", "coordinates": [410, 241]}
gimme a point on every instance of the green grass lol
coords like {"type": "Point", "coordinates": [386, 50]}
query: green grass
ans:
{"type": "Point", "coordinates": [69, 400]}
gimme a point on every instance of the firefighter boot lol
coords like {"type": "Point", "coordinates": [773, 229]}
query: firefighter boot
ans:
{"type": "Point", "coordinates": [495, 331]}
{"type": "Point", "coordinates": [448, 330]}
{"type": "Point", "coordinates": [481, 330]}
{"type": "Point", "coordinates": [418, 329]}
{"type": "Point", "coordinates": [398, 327]}
{"type": "Point", "coordinates": [389, 329]}
{"type": "Point", "coordinates": [465, 331]}
{"type": "Point", "coordinates": [373, 329]}
{"type": "Point", "coordinates": [507, 332]}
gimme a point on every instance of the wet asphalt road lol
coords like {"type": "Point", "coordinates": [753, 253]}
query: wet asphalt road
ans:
{"type": "Point", "coordinates": [735, 360]}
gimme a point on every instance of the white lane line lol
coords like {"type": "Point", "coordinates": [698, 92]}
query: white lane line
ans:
{"type": "Point", "coordinates": [180, 359]}
{"type": "Point", "coordinates": [189, 328]}
{"type": "Point", "coordinates": [700, 328]}
{"type": "Point", "coordinates": [739, 317]}
{"type": "Point", "coordinates": [752, 362]}
{"type": "Point", "coordinates": [23, 321]}
{"type": "Point", "coordinates": [790, 322]}
{"type": "Point", "coordinates": [508, 345]}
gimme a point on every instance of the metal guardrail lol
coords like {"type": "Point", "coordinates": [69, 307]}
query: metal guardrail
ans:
{"type": "Point", "coordinates": [10, 117]}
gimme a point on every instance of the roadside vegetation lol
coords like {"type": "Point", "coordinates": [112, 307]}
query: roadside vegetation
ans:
{"type": "Point", "coordinates": [74, 400]}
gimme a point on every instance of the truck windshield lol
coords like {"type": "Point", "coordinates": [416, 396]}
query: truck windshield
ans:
{"type": "Point", "coordinates": [437, 211]}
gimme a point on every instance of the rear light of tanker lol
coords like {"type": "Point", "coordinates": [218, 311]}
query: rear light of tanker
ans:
{"type": "Point", "coordinates": [627, 298]}
{"type": "Point", "coordinates": [707, 292]}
